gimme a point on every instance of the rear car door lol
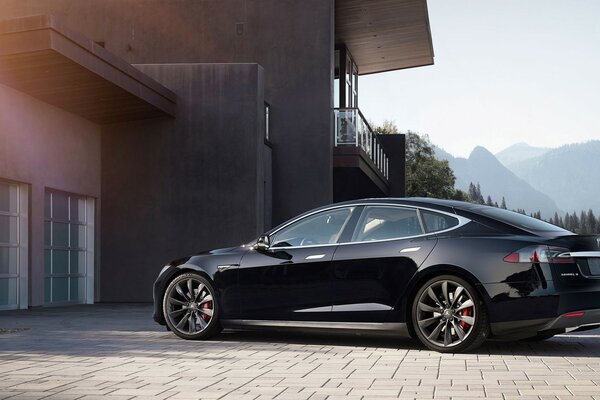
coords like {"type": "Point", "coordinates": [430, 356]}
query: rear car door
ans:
{"type": "Point", "coordinates": [372, 269]}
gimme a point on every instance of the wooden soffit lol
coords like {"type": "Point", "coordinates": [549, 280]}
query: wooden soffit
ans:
{"type": "Point", "coordinates": [384, 35]}
{"type": "Point", "coordinates": [46, 60]}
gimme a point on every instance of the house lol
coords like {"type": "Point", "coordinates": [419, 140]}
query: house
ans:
{"type": "Point", "coordinates": [136, 131]}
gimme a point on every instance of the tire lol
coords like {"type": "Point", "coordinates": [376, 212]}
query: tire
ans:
{"type": "Point", "coordinates": [448, 319]}
{"type": "Point", "coordinates": [190, 307]}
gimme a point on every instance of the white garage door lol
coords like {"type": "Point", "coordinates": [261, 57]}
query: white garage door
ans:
{"type": "Point", "coordinates": [13, 245]}
{"type": "Point", "coordinates": [69, 248]}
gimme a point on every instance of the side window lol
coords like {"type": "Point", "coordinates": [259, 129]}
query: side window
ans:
{"type": "Point", "coordinates": [385, 222]}
{"type": "Point", "coordinates": [321, 228]}
{"type": "Point", "coordinates": [435, 222]}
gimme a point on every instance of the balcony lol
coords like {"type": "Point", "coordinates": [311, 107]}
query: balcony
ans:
{"type": "Point", "coordinates": [361, 166]}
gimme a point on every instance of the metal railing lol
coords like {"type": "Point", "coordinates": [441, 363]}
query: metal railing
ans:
{"type": "Point", "coordinates": [351, 129]}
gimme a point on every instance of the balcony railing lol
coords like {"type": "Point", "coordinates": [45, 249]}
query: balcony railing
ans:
{"type": "Point", "coordinates": [351, 129]}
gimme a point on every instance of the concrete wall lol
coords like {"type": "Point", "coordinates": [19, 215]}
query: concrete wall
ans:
{"type": "Point", "coordinates": [293, 40]}
{"type": "Point", "coordinates": [44, 146]}
{"type": "Point", "coordinates": [173, 187]}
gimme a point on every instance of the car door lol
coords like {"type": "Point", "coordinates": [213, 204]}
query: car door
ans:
{"type": "Point", "coordinates": [372, 268]}
{"type": "Point", "coordinates": [292, 279]}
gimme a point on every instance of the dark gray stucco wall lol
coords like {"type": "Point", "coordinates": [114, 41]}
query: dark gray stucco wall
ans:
{"type": "Point", "coordinates": [172, 187]}
{"type": "Point", "coordinates": [293, 40]}
{"type": "Point", "coordinates": [46, 147]}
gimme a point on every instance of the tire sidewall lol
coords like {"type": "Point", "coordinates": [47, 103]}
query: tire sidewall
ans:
{"type": "Point", "coordinates": [213, 326]}
{"type": "Point", "coordinates": [480, 327]}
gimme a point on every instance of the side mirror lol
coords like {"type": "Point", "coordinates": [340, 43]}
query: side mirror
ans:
{"type": "Point", "coordinates": [263, 243]}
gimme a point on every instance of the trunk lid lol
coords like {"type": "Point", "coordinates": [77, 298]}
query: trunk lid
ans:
{"type": "Point", "coordinates": [585, 251]}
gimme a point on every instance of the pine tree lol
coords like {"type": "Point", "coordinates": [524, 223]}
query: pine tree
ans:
{"type": "Point", "coordinates": [489, 201]}
{"type": "Point", "coordinates": [480, 199]}
{"type": "Point", "coordinates": [584, 226]}
{"type": "Point", "coordinates": [503, 204]}
{"type": "Point", "coordinates": [593, 223]}
{"type": "Point", "coordinates": [575, 224]}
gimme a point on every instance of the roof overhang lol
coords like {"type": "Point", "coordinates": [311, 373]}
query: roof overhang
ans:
{"type": "Point", "coordinates": [384, 35]}
{"type": "Point", "coordinates": [42, 58]}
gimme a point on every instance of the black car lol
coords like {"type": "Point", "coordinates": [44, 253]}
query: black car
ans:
{"type": "Point", "coordinates": [447, 272]}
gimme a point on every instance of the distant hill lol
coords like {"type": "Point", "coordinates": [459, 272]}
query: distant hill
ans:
{"type": "Point", "coordinates": [520, 152]}
{"type": "Point", "coordinates": [496, 181]}
{"type": "Point", "coordinates": [569, 174]}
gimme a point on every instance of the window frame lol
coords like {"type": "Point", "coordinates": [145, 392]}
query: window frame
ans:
{"type": "Point", "coordinates": [359, 208]}
{"type": "Point", "coordinates": [364, 215]}
{"type": "Point", "coordinates": [424, 223]}
{"type": "Point", "coordinates": [340, 234]}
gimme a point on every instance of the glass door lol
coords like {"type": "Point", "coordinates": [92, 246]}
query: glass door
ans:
{"type": "Point", "coordinates": [68, 247]}
{"type": "Point", "coordinates": [13, 245]}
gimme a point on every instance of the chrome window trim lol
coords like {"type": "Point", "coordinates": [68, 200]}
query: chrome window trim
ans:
{"type": "Point", "coordinates": [461, 222]}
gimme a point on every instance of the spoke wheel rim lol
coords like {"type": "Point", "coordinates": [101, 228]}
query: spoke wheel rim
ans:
{"type": "Point", "coordinates": [190, 306]}
{"type": "Point", "coordinates": [445, 313]}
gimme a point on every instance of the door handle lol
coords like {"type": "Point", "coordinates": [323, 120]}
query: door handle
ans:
{"type": "Point", "coordinates": [315, 257]}
{"type": "Point", "coordinates": [222, 268]}
{"type": "Point", "coordinates": [410, 250]}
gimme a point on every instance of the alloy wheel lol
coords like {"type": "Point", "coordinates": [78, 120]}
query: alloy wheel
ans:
{"type": "Point", "coordinates": [190, 306]}
{"type": "Point", "coordinates": [446, 313]}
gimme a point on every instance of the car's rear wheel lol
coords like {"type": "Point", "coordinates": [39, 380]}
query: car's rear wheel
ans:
{"type": "Point", "coordinates": [448, 316]}
{"type": "Point", "coordinates": [190, 307]}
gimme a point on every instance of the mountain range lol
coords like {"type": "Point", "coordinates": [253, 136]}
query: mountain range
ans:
{"type": "Point", "coordinates": [564, 179]}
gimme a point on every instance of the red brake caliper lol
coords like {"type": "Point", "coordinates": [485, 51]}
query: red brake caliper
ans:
{"type": "Point", "coordinates": [207, 305]}
{"type": "Point", "coordinates": [463, 324]}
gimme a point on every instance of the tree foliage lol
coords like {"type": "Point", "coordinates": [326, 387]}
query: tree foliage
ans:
{"type": "Point", "coordinates": [426, 176]}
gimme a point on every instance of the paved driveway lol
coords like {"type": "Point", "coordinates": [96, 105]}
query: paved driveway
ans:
{"type": "Point", "coordinates": [117, 352]}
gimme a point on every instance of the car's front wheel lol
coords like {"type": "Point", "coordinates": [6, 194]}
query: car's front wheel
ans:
{"type": "Point", "coordinates": [448, 316]}
{"type": "Point", "coordinates": [190, 307]}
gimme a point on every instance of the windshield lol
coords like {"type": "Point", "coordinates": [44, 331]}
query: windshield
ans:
{"type": "Point", "coordinates": [521, 221]}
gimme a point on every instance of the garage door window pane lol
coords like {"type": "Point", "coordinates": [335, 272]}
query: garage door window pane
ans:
{"type": "Point", "coordinates": [60, 206]}
{"type": "Point", "coordinates": [77, 262]}
{"type": "Point", "coordinates": [60, 289]}
{"type": "Point", "coordinates": [8, 292]}
{"type": "Point", "coordinates": [60, 234]}
{"type": "Point", "coordinates": [8, 229]}
{"type": "Point", "coordinates": [8, 197]}
{"type": "Point", "coordinates": [77, 236]}
{"type": "Point", "coordinates": [60, 262]}
{"type": "Point", "coordinates": [8, 260]}
{"type": "Point", "coordinates": [77, 210]}
{"type": "Point", "coordinates": [77, 288]}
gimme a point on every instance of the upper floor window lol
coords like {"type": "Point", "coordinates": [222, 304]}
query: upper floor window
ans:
{"type": "Point", "coordinates": [387, 222]}
{"type": "Point", "coordinates": [345, 90]}
{"type": "Point", "coordinates": [321, 228]}
{"type": "Point", "coordinates": [267, 121]}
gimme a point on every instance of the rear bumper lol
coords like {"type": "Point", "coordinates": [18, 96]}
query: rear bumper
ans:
{"type": "Point", "coordinates": [522, 311]}
{"type": "Point", "coordinates": [575, 319]}
{"type": "Point", "coordinates": [566, 322]}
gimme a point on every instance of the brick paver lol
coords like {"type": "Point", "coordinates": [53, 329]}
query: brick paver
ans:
{"type": "Point", "coordinates": [117, 352]}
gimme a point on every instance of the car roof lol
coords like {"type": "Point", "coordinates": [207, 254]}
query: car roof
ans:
{"type": "Point", "coordinates": [444, 205]}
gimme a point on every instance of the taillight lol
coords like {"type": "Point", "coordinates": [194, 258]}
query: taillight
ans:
{"type": "Point", "coordinates": [537, 254]}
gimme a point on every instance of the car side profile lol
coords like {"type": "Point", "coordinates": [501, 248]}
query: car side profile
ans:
{"type": "Point", "coordinates": [448, 273]}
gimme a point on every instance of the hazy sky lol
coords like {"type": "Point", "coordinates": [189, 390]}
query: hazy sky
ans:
{"type": "Point", "coordinates": [505, 71]}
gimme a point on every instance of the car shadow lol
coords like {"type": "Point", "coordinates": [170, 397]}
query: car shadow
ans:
{"type": "Point", "coordinates": [573, 345]}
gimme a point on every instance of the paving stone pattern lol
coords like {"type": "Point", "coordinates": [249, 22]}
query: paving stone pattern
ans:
{"type": "Point", "coordinates": [115, 352]}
